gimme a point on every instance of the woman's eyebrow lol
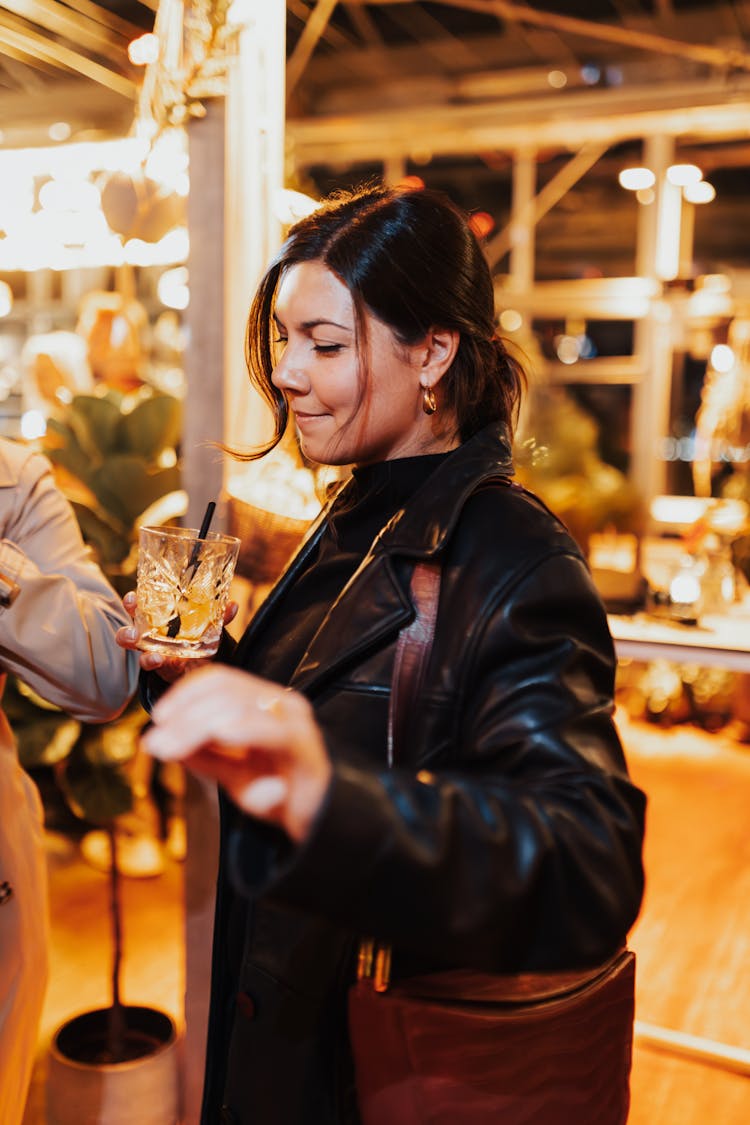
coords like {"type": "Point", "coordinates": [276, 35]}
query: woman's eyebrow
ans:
{"type": "Point", "coordinates": [321, 321]}
{"type": "Point", "coordinates": [317, 322]}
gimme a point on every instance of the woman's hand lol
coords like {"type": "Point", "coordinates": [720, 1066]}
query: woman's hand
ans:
{"type": "Point", "coordinates": [260, 742]}
{"type": "Point", "coordinates": [170, 668]}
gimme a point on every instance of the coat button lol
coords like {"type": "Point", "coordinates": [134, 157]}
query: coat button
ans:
{"type": "Point", "coordinates": [246, 1005]}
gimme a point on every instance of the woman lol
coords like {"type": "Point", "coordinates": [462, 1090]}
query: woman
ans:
{"type": "Point", "coordinates": [58, 617]}
{"type": "Point", "coordinates": [510, 838]}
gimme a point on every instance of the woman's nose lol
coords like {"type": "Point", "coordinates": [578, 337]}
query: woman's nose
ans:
{"type": "Point", "coordinates": [288, 375]}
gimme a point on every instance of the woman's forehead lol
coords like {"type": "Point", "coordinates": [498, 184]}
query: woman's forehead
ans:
{"type": "Point", "coordinates": [313, 286]}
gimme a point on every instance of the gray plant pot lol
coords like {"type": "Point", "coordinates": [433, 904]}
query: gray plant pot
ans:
{"type": "Point", "coordinates": [85, 1089]}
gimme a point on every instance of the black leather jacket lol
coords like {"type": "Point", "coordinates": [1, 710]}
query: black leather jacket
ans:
{"type": "Point", "coordinates": [520, 847]}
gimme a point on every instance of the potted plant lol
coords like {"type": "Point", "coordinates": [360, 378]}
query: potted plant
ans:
{"type": "Point", "coordinates": [116, 460]}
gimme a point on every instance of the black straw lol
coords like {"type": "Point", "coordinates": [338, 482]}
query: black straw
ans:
{"type": "Point", "coordinates": [173, 627]}
{"type": "Point", "coordinates": [209, 515]}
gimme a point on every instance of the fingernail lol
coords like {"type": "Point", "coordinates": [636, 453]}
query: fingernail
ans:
{"type": "Point", "coordinates": [129, 598]}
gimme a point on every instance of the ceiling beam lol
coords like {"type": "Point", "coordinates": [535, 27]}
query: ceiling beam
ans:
{"type": "Point", "coordinates": [98, 14]}
{"type": "Point", "coordinates": [37, 46]}
{"type": "Point", "coordinates": [313, 30]}
{"type": "Point", "coordinates": [331, 34]}
{"type": "Point", "coordinates": [433, 37]}
{"type": "Point", "coordinates": [707, 110]}
{"type": "Point", "coordinates": [364, 23]}
{"type": "Point", "coordinates": [71, 26]}
{"type": "Point", "coordinates": [552, 192]}
{"type": "Point", "coordinates": [725, 58]}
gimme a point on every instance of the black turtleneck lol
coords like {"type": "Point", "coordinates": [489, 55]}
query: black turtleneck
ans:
{"type": "Point", "coordinates": [374, 495]}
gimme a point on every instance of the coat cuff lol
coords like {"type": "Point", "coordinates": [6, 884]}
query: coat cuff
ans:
{"type": "Point", "coordinates": [11, 564]}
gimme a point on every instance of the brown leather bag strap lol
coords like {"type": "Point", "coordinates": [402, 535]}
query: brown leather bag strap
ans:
{"type": "Point", "coordinates": [412, 653]}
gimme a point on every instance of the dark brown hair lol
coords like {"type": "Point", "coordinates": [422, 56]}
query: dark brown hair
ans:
{"type": "Point", "coordinates": [411, 259]}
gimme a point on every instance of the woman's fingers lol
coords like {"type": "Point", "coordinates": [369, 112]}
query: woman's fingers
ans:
{"type": "Point", "coordinates": [130, 602]}
{"type": "Point", "coordinates": [260, 742]}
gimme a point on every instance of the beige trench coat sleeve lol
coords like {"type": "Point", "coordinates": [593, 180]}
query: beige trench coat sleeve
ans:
{"type": "Point", "coordinates": [58, 635]}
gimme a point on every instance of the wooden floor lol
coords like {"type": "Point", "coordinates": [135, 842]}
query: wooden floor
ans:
{"type": "Point", "coordinates": [692, 940]}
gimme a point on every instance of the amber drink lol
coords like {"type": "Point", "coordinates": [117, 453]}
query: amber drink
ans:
{"type": "Point", "coordinates": [182, 590]}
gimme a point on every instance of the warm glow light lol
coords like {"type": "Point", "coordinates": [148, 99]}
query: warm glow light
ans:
{"type": "Point", "coordinates": [144, 49]}
{"type": "Point", "coordinates": [685, 589]}
{"type": "Point", "coordinates": [677, 509]}
{"type": "Point", "coordinates": [702, 192]}
{"type": "Point", "coordinates": [411, 182]}
{"type": "Point", "coordinates": [60, 131]}
{"type": "Point", "coordinates": [634, 178]}
{"type": "Point", "coordinates": [172, 288]}
{"type": "Point", "coordinates": [557, 79]}
{"type": "Point", "coordinates": [69, 195]}
{"type": "Point", "coordinates": [722, 358]}
{"type": "Point", "coordinates": [683, 174]}
{"type": "Point", "coordinates": [481, 222]}
{"type": "Point", "coordinates": [6, 298]}
{"type": "Point", "coordinates": [16, 200]}
{"type": "Point", "coordinates": [73, 161]}
{"type": "Point", "coordinates": [168, 159]}
{"type": "Point", "coordinates": [645, 196]}
{"type": "Point", "coordinates": [715, 282]}
{"type": "Point", "coordinates": [289, 206]}
{"type": "Point", "coordinates": [33, 425]}
{"type": "Point", "coordinates": [173, 247]}
{"type": "Point", "coordinates": [241, 13]}
{"type": "Point", "coordinates": [510, 320]}
{"type": "Point", "coordinates": [568, 349]}
{"type": "Point", "coordinates": [668, 238]}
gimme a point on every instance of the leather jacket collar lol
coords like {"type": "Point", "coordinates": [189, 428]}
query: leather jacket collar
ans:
{"type": "Point", "coordinates": [376, 603]}
{"type": "Point", "coordinates": [421, 530]}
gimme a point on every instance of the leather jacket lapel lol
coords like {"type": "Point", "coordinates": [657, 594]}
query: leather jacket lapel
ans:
{"type": "Point", "coordinates": [370, 610]}
{"type": "Point", "coordinates": [376, 602]}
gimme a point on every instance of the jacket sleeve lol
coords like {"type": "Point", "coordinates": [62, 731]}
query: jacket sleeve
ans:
{"type": "Point", "coordinates": [58, 635]}
{"type": "Point", "coordinates": [519, 844]}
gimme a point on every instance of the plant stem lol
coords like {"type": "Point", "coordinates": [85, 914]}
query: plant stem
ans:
{"type": "Point", "coordinates": [116, 1012]}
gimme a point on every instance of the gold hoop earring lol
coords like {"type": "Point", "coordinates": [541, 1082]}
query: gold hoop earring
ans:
{"type": "Point", "coordinates": [429, 402]}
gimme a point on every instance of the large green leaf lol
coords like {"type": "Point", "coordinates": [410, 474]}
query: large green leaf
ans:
{"type": "Point", "coordinates": [62, 447]}
{"type": "Point", "coordinates": [47, 740]}
{"type": "Point", "coordinates": [125, 486]}
{"type": "Point", "coordinates": [152, 426]}
{"type": "Point", "coordinates": [96, 794]}
{"type": "Point", "coordinates": [95, 420]}
{"type": "Point", "coordinates": [109, 539]}
{"type": "Point", "coordinates": [114, 743]}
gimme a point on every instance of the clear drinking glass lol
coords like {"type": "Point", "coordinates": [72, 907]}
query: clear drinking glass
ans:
{"type": "Point", "coordinates": [182, 590]}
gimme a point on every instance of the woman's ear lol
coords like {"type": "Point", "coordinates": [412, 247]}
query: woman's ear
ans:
{"type": "Point", "coordinates": [438, 352]}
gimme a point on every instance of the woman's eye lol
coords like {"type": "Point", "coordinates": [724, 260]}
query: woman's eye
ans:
{"type": "Point", "coordinates": [327, 349]}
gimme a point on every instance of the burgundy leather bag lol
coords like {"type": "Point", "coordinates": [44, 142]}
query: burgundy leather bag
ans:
{"type": "Point", "coordinates": [471, 1048]}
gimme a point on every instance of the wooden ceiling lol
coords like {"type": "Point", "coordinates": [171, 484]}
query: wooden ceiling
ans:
{"type": "Point", "coordinates": [451, 87]}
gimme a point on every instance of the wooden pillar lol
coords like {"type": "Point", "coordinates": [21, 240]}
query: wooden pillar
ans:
{"type": "Point", "coordinates": [523, 222]}
{"type": "Point", "coordinates": [204, 317]}
{"type": "Point", "coordinates": [236, 168]}
{"type": "Point", "coordinates": [202, 477]}
{"type": "Point", "coordinates": [653, 334]}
